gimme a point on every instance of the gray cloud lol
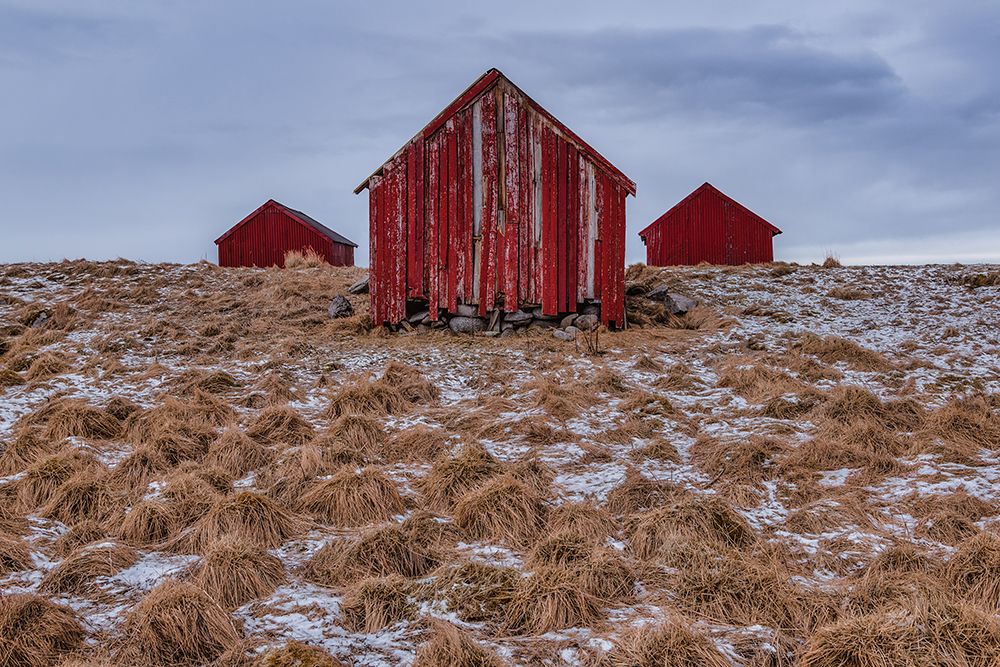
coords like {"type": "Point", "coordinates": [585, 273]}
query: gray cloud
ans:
{"type": "Point", "coordinates": [144, 130]}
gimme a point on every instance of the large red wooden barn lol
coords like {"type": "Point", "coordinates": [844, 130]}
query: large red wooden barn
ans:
{"type": "Point", "coordinates": [263, 237]}
{"type": "Point", "coordinates": [496, 204]}
{"type": "Point", "coordinates": [709, 226]}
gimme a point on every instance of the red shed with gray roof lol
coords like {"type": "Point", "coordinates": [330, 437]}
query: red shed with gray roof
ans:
{"type": "Point", "coordinates": [263, 237]}
{"type": "Point", "coordinates": [709, 226]}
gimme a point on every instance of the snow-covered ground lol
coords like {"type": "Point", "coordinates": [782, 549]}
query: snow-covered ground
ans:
{"type": "Point", "coordinates": [135, 329]}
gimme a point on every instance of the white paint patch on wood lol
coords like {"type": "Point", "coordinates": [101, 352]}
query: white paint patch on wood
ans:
{"type": "Point", "coordinates": [477, 195]}
{"type": "Point", "coordinates": [591, 211]}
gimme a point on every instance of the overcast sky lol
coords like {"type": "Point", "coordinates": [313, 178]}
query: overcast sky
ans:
{"type": "Point", "coordinates": [145, 129]}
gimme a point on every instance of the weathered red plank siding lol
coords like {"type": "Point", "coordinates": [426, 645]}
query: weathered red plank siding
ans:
{"type": "Point", "coordinates": [709, 226]}
{"type": "Point", "coordinates": [495, 198]}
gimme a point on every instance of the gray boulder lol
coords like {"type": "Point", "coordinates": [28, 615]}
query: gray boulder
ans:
{"type": "Point", "coordinates": [568, 320]}
{"type": "Point", "coordinates": [460, 324]}
{"type": "Point", "coordinates": [539, 315]}
{"type": "Point", "coordinates": [517, 317]}
{"type": "Point", "coordinates": [571, 330]}
{"type": "Point", "coordinates": [467, 310]}
{"type": "Point", "coordinates": [682, 303]}
{"type": "Point", "coordinates": [586, 322]}
{"type": "Point", "coordinates": [360, 287]}
{"type": "Point", "coordinates": [417, 318]}
{"type": "Point", "coordinates": [563, 335]}
{"type": "Point", "coordinates": [340, 307]}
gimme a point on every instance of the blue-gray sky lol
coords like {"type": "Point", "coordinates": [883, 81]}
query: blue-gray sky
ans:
{"type": "Point", "coordinates": [145, 129]}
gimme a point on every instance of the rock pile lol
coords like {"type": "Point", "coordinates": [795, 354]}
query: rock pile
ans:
{"type": "Point", "coordinates": [466, 319]}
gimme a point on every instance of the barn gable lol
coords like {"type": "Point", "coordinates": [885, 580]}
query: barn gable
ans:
{"type": "Point", "coordinates": [708, 226]}
{"type": "Point", "coordinates": [496, 204]}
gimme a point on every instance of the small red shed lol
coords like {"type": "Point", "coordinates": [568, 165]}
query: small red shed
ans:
{"type": "Point", "coordinates": [709, 226]}
{"type": "Point", "coordinates": [496, 204]}
{"type": "Point", "coordinates": [263, 237]}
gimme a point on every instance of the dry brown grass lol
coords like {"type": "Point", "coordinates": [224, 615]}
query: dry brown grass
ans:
{"type": "Point", "coordinates": [974, 571]}
{"type": "Point", "coordinates": [503, 510]}
{"type": "Point", "coordinates": [849, 294]}
{"type": "Point", "coordinates": [560, 398]}
{"type": "Point", "coordinates": [85, 495]}
{"type": "Point", "coordinates": [295, 471]}
{"type": "Point", "coordinates": [307, 258]}
{"type": "Point", "coordinates": [297, 654]}
{"type": "Point", "coordinates": [233, 572]}
{"type": "Point", "coordinates": [745, 589]}
{"type": "Point", "coordinates": [189, 496]}
{"type": "Point", "coordinates": [250, 517]}
{"type": "Point", "coordinates": [452, 647]}
{"type": "Point", "coordinates": [48, 365]}
{"type": "Point", "coordinates": [583, 518]}
{"type": "Point", "coordinates": [354, 497]}
{"type": "Point", "coordinates": [64, 418]}
{"type": "Point", "coordinates": [80, 534]}
{"type": "Point", "coordinates": [27, 446]}
{"type": "Point", "coordinates": [919, 633]}
{"type": "Point", "coordinates": [417, 443]}
{"type": "Point", "coordinates": [410, 549]}
{"type": "Point", "coordinates": [637, 492]}
{"type": "Point", "coordinates": [76, 574]}
{"type": "Point", "coordinates": [136, 470]}
{"type": "Point", "coordinates": [376, 603]}
{"type": "Point", "coordinates": [149, 523]}
{"type": "Point", "coordinates": [754, 381]}
{"type": "Point", "coordinates": [43, 477]}
{"type": "Point", "coordinates": [551, 598]}
{"type": "Point", "coordinates": [237, 452]}
{"type": "Point", "coordinates": [35, 632]}
{"type": "Point", "coordinates": [451, 477]}
{"type": "Point", "coordinates": [688, 518]}
{"type": "Point", "coordinates": [672, 643]}
{"type": "Point", "coordinates": [280, 424]}
{"type": "Point", "coordinates": [359, 432]}
{"type": "Point", "coordinates": [833, 349]}
{"type": "Point", "coordinates": [14, 554]}
{"type": "Point", "coordinates": [400, 388]}
{"type": "Point", "coordinates": [477, 592]}
{"type": "Point", "coordinates": [177, 624]}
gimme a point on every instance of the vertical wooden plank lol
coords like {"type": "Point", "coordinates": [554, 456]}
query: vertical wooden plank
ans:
{"type": "Point", "coordinates": [431, 224]}
{"type": "Point", "coordinates": [465, 213]}
{"type": "Point", "coordinates": [399, 238]}
{"type": "Point", "coordinates": [561, 254]}
{"type": "Point", "coordinates": [374, 255]}
{"type": "Point", "coordinates": [537, 265]}
{"type": "Point", "coordinates": [420, 286]}
{"type": "Point", "coordinates": [550, 227]}
{"type": "Point", "coordinates": [477, 199]}
{"type": "Point", "coordinates": [525, 206]}
{"type": "Point", "coordinates": [512, 204]}
{"type": "Point", "coordinates": [488, 261]}
{"type": "Point", "coordinates": [444, 238]}
{"type": "Point", "coordinates": [454, 236]}
{"type": "Point", "coordinates": [572, 224]}
{"type": "Point", "coordinates": [413, 278]}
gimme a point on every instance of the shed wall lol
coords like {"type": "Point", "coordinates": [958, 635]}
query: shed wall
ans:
{"type": "Point", "coordinates": [708, 228]}
{"type": "Point", "coordinates": [264, 240]}
{"type": "Point", "coordinates": [496, 206]}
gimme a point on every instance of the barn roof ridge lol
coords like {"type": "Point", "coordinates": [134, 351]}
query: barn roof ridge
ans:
{"type": "Point", "coordinates": [477, 87]}
{"type": "Point", "coordinates": [299, 216]}
{"type": "Point", "coordinates": [708, 187]}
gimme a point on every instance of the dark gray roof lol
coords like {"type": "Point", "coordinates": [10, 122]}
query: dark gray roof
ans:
{"type": "Point", "coordinates": [318, 226]}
